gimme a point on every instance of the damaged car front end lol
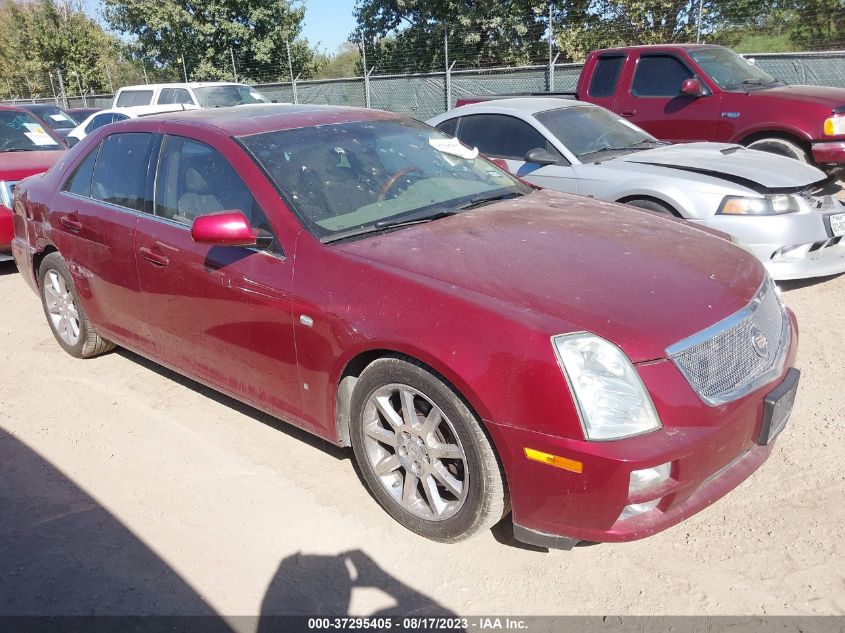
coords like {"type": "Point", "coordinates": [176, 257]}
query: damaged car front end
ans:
{"type": "Point", "coordinates": [789, 214]}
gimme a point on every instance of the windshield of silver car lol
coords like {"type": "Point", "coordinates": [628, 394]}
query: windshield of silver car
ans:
{"type": "Point", "coordinates": [354, 178]}
{"type": "Point", "coordinates": [226, 96]}
{"type": "Point", "coordinates": [729, 70]}
{"type": "Point", "coordinates": [20, 132]}
{"type": "Point", "coordinates": [587, 130]}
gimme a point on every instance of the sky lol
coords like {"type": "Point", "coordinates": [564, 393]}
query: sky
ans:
{"type": "Point", "coordinates": [328, 23]}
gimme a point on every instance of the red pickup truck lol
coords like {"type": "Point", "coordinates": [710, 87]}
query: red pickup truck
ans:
{"type": "Point", "coordinates": [701, 92]}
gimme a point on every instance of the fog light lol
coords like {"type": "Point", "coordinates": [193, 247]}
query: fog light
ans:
{"type": "Point", "coordinates": [648, 478]}
{"type": "Point", "coordinates": [636, 509]}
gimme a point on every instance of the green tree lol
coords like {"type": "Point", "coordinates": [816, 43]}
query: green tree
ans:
{"type": "Point", "coordinates": [40, 39]}
{"type": "Point", "coordinates": [199, 37]}
{"type": "Point", "coordinates": [481, 32]}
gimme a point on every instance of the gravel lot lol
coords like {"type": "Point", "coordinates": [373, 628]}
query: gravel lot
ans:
{"type": "Point", "coordinates": [127, 489]}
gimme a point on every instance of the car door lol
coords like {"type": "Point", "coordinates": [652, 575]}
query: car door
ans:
{"type": "Point", "coordinates": [93, 221]}
{"type": "Point", "coordinates": [655, 103]}
{"type": "Point", "coordinates": [508, 138]}
{"type": "Point", "coordinates": [221, 313]}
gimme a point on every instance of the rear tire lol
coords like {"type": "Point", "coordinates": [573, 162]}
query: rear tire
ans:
{"type": "Point", "coordinates": [781, 147]}
{"type": "Point", "coordinates": [65, 314]}
{"type": "Point", "coordinates": [654, 205]}
{"type": "Point", "coordinates": [423, 454]}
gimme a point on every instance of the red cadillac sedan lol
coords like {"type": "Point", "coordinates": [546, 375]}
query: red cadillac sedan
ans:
{"type": "Point", "coordinates": [484, 347]}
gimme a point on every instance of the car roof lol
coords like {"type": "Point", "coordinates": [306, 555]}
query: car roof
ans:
{"type": "Point", "coordinates": [190, 84]}
{"type": "Point", "coordinates": [38, 106]}
{"type": "Point", "coordinates": [245, 120]}
{"type": "Point", "coordinates": [12, 108]}
{"type": "Point", "coordinates": [657, 47]}
{"type": "Point", "coordinates": [517, 105]}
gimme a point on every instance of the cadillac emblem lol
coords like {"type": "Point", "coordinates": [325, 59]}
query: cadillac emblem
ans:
{"type": "Point", "coordinates": [759, 341]}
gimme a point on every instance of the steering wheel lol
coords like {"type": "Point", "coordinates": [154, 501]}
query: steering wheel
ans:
{"type": "Point", "coordinates": [9, 142]}
{"type": "Point", "coordinates": [394, 179]}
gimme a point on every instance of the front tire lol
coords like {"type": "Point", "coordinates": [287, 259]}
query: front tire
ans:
{"type": "Point", "coordinates": [654, 205]}
{"type": "Point", "coordinates": [781, 147]}
{"type": "Point", "coordinates": [65, 314]}
{"type": "Point", "coordinates": [423, 454]}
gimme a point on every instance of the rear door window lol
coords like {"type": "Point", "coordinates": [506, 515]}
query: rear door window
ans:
{"type": "Point", "coordinates": [99, 121]}
{"type": "Point", "coordinates": [175, 95]}
{"type": "Point", "coordinates": [120, 174]}
{"type": "Point", "coordinates": [501, 136]}
{"type": "Point", "coordinates": [134, 98]}
{"type": "Point", "coordinates": [659, 76]}
{"type": "Point", "coordinates": [80, 182]}
{"type": "Point", "coordinates": [605, 76]}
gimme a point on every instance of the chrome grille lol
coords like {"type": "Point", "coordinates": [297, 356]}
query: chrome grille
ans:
{"type": "Point", "coordinates": [738, 354]}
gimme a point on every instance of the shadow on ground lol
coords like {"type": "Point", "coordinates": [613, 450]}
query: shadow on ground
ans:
{"type": "Point", "coordinates": [64, 554]}
{"type": "Point", "coordinates": [8, 268]}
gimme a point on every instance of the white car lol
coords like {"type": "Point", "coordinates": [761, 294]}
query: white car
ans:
{"type": "Point", "coordinates": [207, 94]}
{"type": "Point", "coordinates": [112, 115]}
{"type": "Point", "coordinates": [783, 210]}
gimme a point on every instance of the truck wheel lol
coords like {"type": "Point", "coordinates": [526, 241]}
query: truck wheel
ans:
{"type": "Point", "coordinates": [654, 205]}
{"type": "Point", "coordinates": [423, 454]}
{"type": "Point", "coordinates": [64, 312]}
{"type": "Point", "coordinates": [782, 147]}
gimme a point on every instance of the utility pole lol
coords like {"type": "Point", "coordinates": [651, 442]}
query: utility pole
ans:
{"type": "Point", "coordinates": [108, 76]}
{"type": "Point", "coordinates": [551, 50]}
{"type": "Point", "coordinates": [53, 87]}
{"type": "Point", "coordinates": [184, 68]}
{"type": "Point", "coordinates": [290, 63]}
{"type": "Point", "coordinates": [62, 87]}
{"type": "Point", "coordinates": [234, 70]}
{"type": "Point", "coordinates": [366, 74]}
{"type": "Point", "coordinates": [698, 34]}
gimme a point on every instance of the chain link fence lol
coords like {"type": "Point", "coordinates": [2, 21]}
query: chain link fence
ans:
{"type": "Point", "coordinates": [424, 95]}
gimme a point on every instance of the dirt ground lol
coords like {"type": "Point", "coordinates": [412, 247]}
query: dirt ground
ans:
{"type": "Point", "coordinates": [127, 489]}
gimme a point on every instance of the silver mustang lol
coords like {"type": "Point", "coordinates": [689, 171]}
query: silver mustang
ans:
{"type": "Point", "coordinates": [785, 211]}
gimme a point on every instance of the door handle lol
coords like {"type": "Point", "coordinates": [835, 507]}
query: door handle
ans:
{"type": "Point", "coordinates": [153, 257]}
{"type": "Point", "coordinates": [628, 112]}
{"type": "Point", "coordinates": [70, 223]}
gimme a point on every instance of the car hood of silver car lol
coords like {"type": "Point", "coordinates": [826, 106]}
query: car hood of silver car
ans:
{"type": "Point", "coordinates": [746, 167]}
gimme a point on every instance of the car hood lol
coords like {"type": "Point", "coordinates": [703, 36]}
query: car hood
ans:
{"type": "Point", "coordinates": [751, 168]}
{"type": "Point", "coordinates": [635, 278]}
{"type": "Point", "coordinates": [818, 95]}
{"type": "Point", "coordinates": [18, 165]}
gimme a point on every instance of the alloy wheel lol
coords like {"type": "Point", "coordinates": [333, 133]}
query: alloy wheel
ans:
{"type": "Point", "coordinates": [61, 307]}
{"type": "Point", "coordinates": [414, 451]}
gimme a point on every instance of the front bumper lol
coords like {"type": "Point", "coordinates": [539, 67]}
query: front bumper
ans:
{"type": "Point", "coordinates": [712, 450]}
{"type": "Point", "coordinates": [830, 153]}
{"type": "Point", "coordinates": [790, 246]}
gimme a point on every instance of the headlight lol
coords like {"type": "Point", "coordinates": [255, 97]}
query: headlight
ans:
{"type": "Point", "coordinates": [767, 205]}
{"type": "Point", "coordinates": [834, 126]}
{"type": "Point", "coordinates": [611, 399]}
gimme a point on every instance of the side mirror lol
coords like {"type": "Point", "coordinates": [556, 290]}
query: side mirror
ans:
{"type": "Point", "coordinates": [692, 88]}
{"type": "Point", "coordinates": [540, 156]}
{"type": "Point", "coordinates": [227, 228]}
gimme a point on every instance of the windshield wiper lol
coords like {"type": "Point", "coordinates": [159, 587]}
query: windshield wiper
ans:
{"type": "Point", "coordinates": [482, 200]}
{"type": "Point", "coordinates": [17, 149]}
{"type": "Point", "coordinates": [383, 225]}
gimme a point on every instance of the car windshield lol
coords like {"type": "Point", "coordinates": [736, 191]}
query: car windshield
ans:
{"type": "Point", "coordinates": [587, 130]}
{"type": "Point", "coordinates": [729, 70]}
{"type": "Point", "coordinates": [56, 118]}
{"type": "Point", "coordinates": [225, 96]}
{"type": "Point", "coordinates": [346, 178]}
{"type": "Point", "coordinates": [21, 132]}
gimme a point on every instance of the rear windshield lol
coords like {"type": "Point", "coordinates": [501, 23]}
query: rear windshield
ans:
{"type": "Point", "coordinates": [21, 132]}
{"type": "Point", "coordinates": [55, 117]}
{"type": "Point", "coordinates": [129, 98]}
{"type": "Point", "coordinates": [226, 96]}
